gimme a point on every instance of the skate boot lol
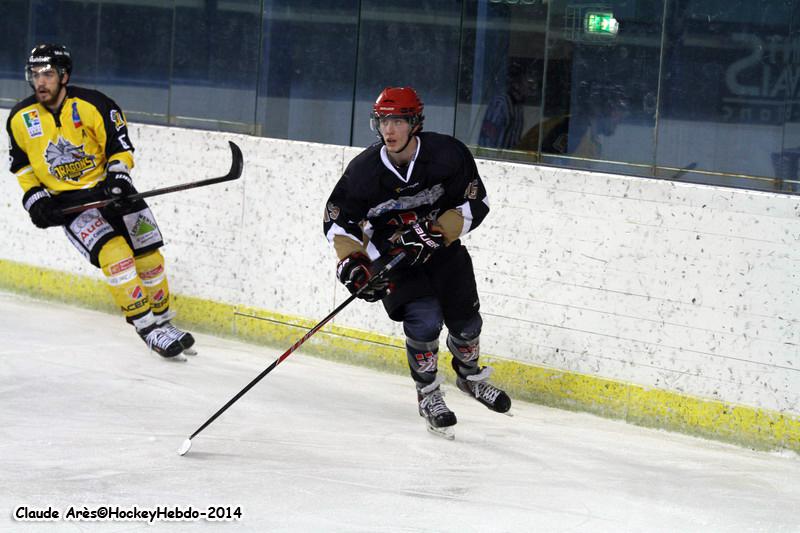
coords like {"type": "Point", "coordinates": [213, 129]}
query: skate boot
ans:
{"type": "Point", "coordinates": [438, 417]}
{"type": "Point", "coordinates": [183, 337]}
{"type": "Point", "coordinates": [478, 386]}
{"type": "Point", "coordinates": [158, 340]}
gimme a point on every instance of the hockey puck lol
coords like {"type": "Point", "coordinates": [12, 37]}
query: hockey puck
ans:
{"type": "Point", "coordinates": [185, 447]}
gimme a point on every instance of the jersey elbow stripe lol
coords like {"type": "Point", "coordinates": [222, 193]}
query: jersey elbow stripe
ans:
{"type": "Point", "coordinates": [338, 230]}
{"type": "Point", "coordinates": [466, 212]}
{"type": "Point", "coordinates": [27, 169]}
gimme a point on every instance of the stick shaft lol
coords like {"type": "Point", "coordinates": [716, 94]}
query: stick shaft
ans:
{"type": "Point", "coordinates": [390, 265]}
{"type": "Point", "coordinates": [235, 172]}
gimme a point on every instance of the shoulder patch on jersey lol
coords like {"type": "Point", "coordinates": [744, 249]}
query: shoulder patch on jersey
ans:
{"type": "Point", "coordinates": [76, 117]}
{"type": "Point", "coordinates": [32, 123]}
{"type": "Point", "coordinates": [331, 212]}
{"type": "Point", "coordinates": [118, 119]}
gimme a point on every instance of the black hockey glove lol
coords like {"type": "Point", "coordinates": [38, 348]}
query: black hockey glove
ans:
{"type": "Point", "coordinates": [354, 272]}
{"type": "Point", "coordinates": [42, 208]}
{"type": "Point", "coordinates": [419, 242]}
{"type": "Point", "coordinates": [118, 182]}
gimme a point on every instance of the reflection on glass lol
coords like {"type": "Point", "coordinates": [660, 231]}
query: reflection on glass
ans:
{"type": "Point", "coordinates": [606, 56]}
{"type": "Point", "coordinates": [694, 90]}
{"type": "Point", "coordinates": [503, 59]}
{"type": "Point", "coordinates": [729, 90]}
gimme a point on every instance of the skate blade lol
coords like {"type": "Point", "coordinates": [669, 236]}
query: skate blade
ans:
{"type": "Point", "coordinates": [190, 351]}
{"type": "Point", "coordinates": [180, 358]}
{"type": "Point", "coordinates": [447, 433]}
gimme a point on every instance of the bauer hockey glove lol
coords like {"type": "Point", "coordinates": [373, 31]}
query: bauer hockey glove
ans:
{"type": "Point", "coordinates": [118, 182]}
{"type": "Point", "coordinates": [353, 271]}
{"type": "Point", "coordinates": [42, 208]}
{"type": "Point", "coordinates": [419, 242]}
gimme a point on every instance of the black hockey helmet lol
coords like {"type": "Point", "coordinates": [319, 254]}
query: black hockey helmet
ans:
{"type": "Point", "coordinates": [53, 55]}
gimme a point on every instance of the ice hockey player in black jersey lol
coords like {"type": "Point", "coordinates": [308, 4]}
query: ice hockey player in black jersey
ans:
{"type": "Point", "coordinates": [70, 146]}
{"type": "Point", "coordinates": [416, 192]}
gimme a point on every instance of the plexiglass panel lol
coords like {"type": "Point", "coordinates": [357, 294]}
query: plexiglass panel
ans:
{"type": "Point", "coordinates": [14, 47]}
{"type": "Point", "coordinates": [695, 90]}
{"type": "Point", "coordinates": [408, 43]}
{"type": "Point", "coordinates": [134, 55]}
{"type": "Point", "coordinates": [730, 86]}
{"type": "Point", "coordinates": [502, 69]}
{"type": "Point", "coordinates": [215, 65]}
{"type": "Point", "coordinates": [600, 111]}
{"type": "Point", "coordinates": [308, 65]}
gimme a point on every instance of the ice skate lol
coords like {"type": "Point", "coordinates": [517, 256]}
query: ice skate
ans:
{"type": "Point", "coordinates": [183, 337]}
{"type": "Point", "coordinates": [438, 417]}
{"type": "Point", "coordinates": [159, 341]}
{"type": "Point", "coordinates": [478, 387]}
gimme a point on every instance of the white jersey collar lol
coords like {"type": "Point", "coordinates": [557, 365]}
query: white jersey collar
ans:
{"type": "Point", "coordinates": [388, 162]}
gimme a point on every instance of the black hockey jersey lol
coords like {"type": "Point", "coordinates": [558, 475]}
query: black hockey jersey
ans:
{"type": "Point", "coordinates": [373, 199]}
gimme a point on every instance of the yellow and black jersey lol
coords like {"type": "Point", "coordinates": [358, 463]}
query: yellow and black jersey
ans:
{"type": "Point", "coordinates": [70, 149]}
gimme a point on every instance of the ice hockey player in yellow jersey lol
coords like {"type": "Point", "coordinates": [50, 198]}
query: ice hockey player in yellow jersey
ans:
{"type": "Point", "coordinates": [70, 146]}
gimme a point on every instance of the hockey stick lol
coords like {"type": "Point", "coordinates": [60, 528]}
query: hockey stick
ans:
{"type": "Point", "coordinates": [237, 163]}
{"type": "Point", "coordinates": [187, 444]}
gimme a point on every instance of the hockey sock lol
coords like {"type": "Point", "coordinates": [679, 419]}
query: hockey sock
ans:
{"type": "Point", "coordinates": [154, 278]}
{"type": "Point", "coordinates": [465, 354]}
{"type": "Point", "coordinates": [116, 261]}
{"type": "Point", "coordinates": [423, 360]}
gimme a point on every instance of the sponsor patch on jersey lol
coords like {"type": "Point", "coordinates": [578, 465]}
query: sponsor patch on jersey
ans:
{"type": "Point", "coordinates": [408, 203]}
{"type": "Point", "coordinates": [32, 123]}
{"type": "Point", "coordinates": [89, 227]}
{"type": "Point", "coordinates": [118, 119]}
{"type": "Point", "coordinates": [67, 161]}
{"type": "Point", "coordinates": [142, 228]}
{"type": "Point", "coordinates": [76, 117]}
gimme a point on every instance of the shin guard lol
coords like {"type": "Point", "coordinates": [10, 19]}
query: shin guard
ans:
{"type": "Point", "coordinates": [423, 360]}
{"type": "Point", "coordinates": [154, 278]}
{"type": "Point", "coordinates": [116, 261]}
{"type": "Point", "coordinates": [465, 354]}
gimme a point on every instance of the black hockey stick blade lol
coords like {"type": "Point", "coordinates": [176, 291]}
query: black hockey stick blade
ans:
{"type": "Point", "coordinates": [237, 164]}
{"type": "Point", "coordinates": [187, 444]}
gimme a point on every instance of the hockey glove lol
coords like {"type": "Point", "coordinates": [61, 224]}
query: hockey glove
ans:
{"type": "Point", "coordinates": [354, 272]}
{"type": "Point", "coordinates": [419, 242]}
{"type": "Point", "coordinates": [118, 182]}
{"type": "Point", "coordinates": [42, 208]}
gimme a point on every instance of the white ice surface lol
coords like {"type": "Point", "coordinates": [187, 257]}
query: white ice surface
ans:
{"type": "Point", "coordinates": [88, 418]}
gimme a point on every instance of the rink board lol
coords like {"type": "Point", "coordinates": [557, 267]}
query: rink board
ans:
{"type": "Point", "coordinates": [739, 424]}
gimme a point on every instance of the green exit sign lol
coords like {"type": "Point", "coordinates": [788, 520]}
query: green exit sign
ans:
{"type": "Point", "coordinates": [601, 23]}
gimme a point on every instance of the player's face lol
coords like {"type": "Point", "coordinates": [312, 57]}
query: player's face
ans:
{"type": "Point", "coordinates": [395, 132]}
{"type": "Point", "coordinates": [46, 85]}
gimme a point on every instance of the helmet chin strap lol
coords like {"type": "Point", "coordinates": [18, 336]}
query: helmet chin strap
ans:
{"type": "Point", "coordinates": [410, 136]}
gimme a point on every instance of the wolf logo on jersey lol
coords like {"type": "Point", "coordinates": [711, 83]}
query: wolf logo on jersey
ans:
{"type": "Point", "coordinates": [67, 161]}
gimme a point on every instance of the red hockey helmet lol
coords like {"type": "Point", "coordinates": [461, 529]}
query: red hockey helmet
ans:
{"type": "Point", "coordinates": [398, 102]}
